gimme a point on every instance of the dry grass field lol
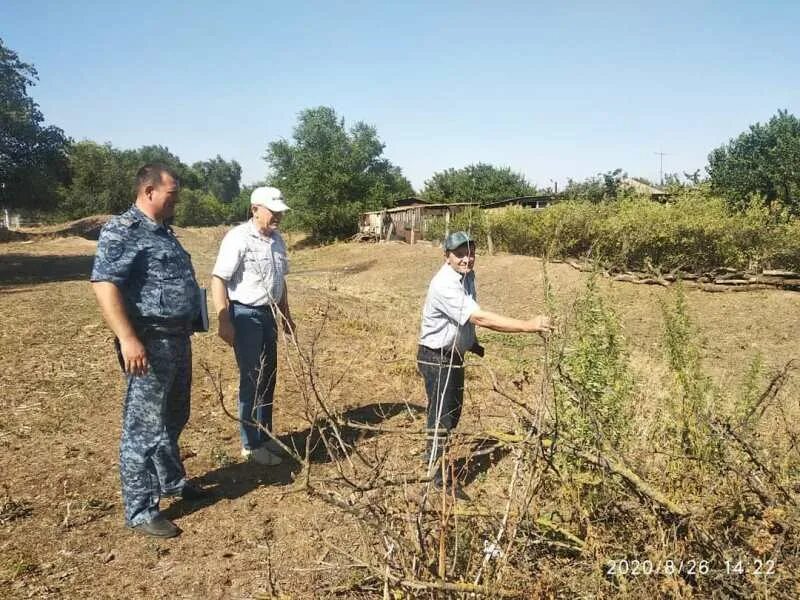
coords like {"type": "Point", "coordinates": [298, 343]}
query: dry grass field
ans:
{"type": "Point", "coordinates": [357, 308]}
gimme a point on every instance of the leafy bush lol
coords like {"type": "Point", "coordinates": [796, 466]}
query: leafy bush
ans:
{"type": "Point", "coordinates": [696, 232]}
{"type": "Point", "coordinates": [785, 247]}
{"type": "Point", "coordinates": [471, 220]}
{"type": "Point", "coordinates": [563, 229]}
{"type": "Point", "coordinates": [239, 209]}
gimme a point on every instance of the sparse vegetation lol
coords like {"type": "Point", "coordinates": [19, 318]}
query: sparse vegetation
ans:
{"type": "Point", "coordinates": [695, 233]}
{"type": "Point", "coordinates": [595, 448]}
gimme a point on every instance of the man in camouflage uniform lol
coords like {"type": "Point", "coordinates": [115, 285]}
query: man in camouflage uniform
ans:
{"type": "Point", "coordinates": [146, 288]}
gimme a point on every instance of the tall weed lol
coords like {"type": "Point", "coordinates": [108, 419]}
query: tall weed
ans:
{"type": "Point", "coordinates": [594, 387]}
{"type": "Point", "coordinates": [693, 402]}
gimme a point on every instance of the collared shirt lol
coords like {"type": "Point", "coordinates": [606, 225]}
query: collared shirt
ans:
{"type": "Point", "coordinates": [450, 302]}
{"type": "Point", "coordinates": [253, 265]}
{"type": "Point", "coordinates": [147, 263]}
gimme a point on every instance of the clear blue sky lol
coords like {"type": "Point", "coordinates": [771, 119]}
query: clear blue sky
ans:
{"type": "Point", "coordinates": [553, 90]}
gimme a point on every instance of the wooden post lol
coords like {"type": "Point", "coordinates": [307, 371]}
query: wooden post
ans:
{"type": "Point", "coordinates": [447, 222]}
{"type": "Point", "coordinates": [413, 224]}
{"type": "Point", "coordinates": [489, 245]}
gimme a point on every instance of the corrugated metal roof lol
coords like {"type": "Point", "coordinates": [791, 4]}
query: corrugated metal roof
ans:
{"type": "Point", "coordinates": [520, 200]}
{"type": "Point", "coordinates": [421, 206]}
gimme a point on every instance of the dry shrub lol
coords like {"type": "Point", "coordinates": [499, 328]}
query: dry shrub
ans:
{"type": "Point", "coordinates": [578, 506]}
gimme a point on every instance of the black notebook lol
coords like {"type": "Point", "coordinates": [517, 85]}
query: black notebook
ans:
{"type": "Point", "coordinates": [201, 322]}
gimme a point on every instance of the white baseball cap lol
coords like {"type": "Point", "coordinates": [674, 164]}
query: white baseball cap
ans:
{"type": "Point", "coordinates": [269, 197]}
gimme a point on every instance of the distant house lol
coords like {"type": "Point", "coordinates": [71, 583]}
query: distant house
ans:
{"type": "Point", "coordinates": [643, 188]}
{"type": "Point", "coordinates": [533, 202]}
{"type": "Point", "coordinates": [409, 222]}
{"type": "Point", "coordinates": [410, 201]}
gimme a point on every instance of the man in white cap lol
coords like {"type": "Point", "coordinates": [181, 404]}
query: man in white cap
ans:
{"type": "Point", "coordinates": [248, 287]}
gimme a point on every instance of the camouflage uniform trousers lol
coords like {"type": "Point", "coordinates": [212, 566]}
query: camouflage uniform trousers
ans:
{"type": "Point", "coordinates": [155, 412]}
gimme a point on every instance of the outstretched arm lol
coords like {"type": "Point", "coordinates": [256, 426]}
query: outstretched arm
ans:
{"type": "Point", "coordinates": [495, 322]}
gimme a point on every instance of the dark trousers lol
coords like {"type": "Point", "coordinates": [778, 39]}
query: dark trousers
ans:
{"type": "Point", "coordinates": [444, 386]}
{"type": "Point", "coordinates": [256, 348]}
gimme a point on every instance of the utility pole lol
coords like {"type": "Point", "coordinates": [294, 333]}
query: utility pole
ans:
{"type": "Point", "coordinates": [661, 156]}
{"type": "Point", "coordinates": [6, 224]}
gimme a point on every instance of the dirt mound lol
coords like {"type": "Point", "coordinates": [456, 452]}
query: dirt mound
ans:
{"type": "Point", "coordinates": [7, 235]}
{"type": "Point", "coordinates": [88, 227]}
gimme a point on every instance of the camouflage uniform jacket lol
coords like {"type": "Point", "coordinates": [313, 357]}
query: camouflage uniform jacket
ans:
{"type": "Point", "coordinates": [150, 267]}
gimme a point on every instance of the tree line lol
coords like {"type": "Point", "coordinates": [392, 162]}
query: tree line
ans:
{"type": "Point", "coordinates": [329, 172]}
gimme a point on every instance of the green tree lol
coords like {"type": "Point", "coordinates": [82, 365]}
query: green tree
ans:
{"type": "Point", "coordinates": [161, 154]}
{"type": "Point", "coordinates": [32, 156]}
{"type": "Point", "coordinates": [480, 182]}
{"type": "Point", "coordinates": [764, 160]}
{"type": "Point", "coordinates": [604, 186]}
{"type": "Point", "coordinates": [198, 208]}
{"type": "Point", "coordinates": [238, 210]}
{"type": "Point", "coordinates": [331, 174]}
{"type": "Point", "coordinates": [676, 183]}
{"type": "Point", "coordinates": [219, 177]}
{"type": "Point", "coordinates": [101, 180]}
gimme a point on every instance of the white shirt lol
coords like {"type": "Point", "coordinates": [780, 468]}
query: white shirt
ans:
{"type": "Point", "coordinates": [450, 302]}
{"type": "Point", "coordinates": [253, 265]}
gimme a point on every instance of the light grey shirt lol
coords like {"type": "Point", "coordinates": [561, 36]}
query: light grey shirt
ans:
{"type": "Point", "coordinates": [450, 302]}
{"type": "Point", "coordinates": [253, 265]}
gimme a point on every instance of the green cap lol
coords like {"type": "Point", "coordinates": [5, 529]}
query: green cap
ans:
{"type": "Point", "coordinates": [456, 239]}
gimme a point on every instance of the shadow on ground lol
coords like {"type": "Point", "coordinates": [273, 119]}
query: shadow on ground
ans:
{"type": "Point", "coordinates": [484, 454]}
{"type": "Point", "coordinates": [29, 269]}
{"type": "Point", "coordinates": [343, 270]}
{"type": "Point", "coordinates": [236, 480]}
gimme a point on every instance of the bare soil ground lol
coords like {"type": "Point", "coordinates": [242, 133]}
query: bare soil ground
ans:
{"type": "Point", "coordinates": [61, 524]}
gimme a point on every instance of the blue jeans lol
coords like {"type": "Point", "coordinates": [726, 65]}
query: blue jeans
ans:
{"type": "Point", "coordinates": [444, 387]}
{"type": "Point", "coordinates": [256, 349]}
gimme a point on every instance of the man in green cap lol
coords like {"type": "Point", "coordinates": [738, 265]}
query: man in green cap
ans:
{"type": "Point", "coordinates": [447, 333]}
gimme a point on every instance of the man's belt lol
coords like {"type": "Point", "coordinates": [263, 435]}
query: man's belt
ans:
{"type": "Point", "coordinates": [154, 326]}
{"type": "Point", "coordinates": [262, 307]}
{"type": "Point", "coordinates": [448, 354]}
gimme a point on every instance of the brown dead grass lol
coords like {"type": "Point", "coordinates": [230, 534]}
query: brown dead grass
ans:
{"type": "Point", "coordinates": [61, 405]}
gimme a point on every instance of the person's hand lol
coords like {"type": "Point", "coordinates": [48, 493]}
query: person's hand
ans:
{"type": "Point", "coordinates": [134, 356]}
{"type": "Point", "coordinates": [542, 324]}
{"type": "Point", "coordinates": [225, 329]}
